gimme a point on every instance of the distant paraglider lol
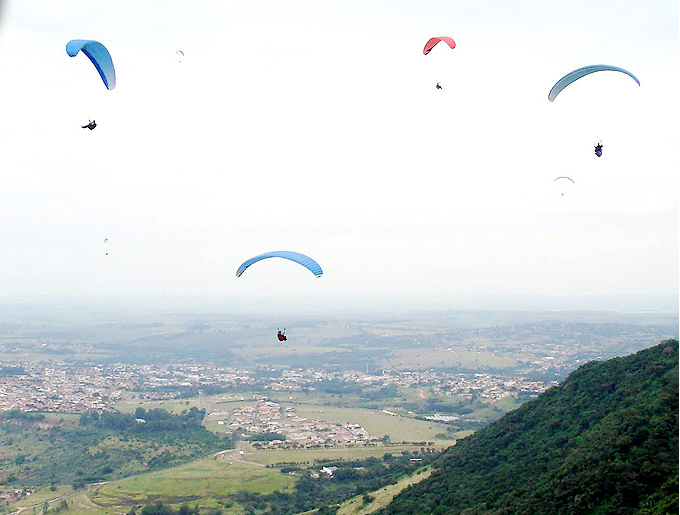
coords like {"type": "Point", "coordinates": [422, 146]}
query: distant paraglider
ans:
{"type": "Point", "coordinates": [301, 259]}
{"type": "Point", "coordinates": [439, 86]}
{"type": "Point", "coordinates": [573, 76]}
{"type": "Point", "coordinates": [107, 244]}
{"type": "Point", "coordinates": [180, 55]}
{"type": "Point", "coordinates": [282, 335]}
{"type": "Point", "coordinates": [99, 55]}
{"type": "Point", "coordinates": [562, 181]}
{"type": "Point", "coordinates": [598, 149]}
{"type": "Point", "coordinates": [91, 125]}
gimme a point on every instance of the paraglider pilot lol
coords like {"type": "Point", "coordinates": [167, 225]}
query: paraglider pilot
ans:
{"type": "Point", "coordinates": [439, 86]}
{"type": "Point", "coordinates": [90, 125]}
{"type": "Point", "coordinates": [282, 335]}
{"type": "Point", "coordinates": [598, 149]}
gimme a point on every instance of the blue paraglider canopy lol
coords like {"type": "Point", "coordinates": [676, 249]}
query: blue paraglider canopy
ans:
{"type": "Point", "coordinates": [305, 261]}
{"type": "Point", "coordinates": [582, 72]}
{"type": "Point", "coordinates": [99, 56]}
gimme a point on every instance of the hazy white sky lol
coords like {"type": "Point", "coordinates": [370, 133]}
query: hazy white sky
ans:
{"type": "Point", "coordinates": [315, 126]}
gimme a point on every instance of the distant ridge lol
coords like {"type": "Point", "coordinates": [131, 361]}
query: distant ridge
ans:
{"type": "Point", "coordinates": [605, 441]}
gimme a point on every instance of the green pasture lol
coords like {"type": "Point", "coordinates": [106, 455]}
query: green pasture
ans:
{"type": "Point", "coordinates": [303, 456]}
{"type": "Point", "coordinates": [43, 495]}
{"type": "Point", "coordinates": [206, 482]}
{"type": "Point", "coordinates": [218, 429]}
{"type": "Point", "coordinates": [211, 403]}
{"type": "Point", "coordinates": [80, 503]}
{"type": "Point", "coordinates": [316, 398]}
{"type": "Point", "coordinates": [413, 395]}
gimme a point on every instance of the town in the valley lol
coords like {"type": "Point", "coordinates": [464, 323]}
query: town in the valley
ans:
{"type": "Point", "coordinates": [78, 389]}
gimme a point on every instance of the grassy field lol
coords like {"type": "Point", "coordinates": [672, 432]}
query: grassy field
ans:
{"type": "Point", "coordinates": [81, 504]}
{"type": "Point", "coordinates": [317, 398]}
{"type": "Point", "coordinates": [211, 403]}
{"type": "Point", "coordinates": [205, 482]}
{"type": "Point", "coordinates": [407, 394]}
{"type": "Point", "coordinates": [45, 494]}
{"type": "Point", "coordinates": [276, 456]}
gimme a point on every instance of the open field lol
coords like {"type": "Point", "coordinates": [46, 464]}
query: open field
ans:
{"type": "Point", "coordinates": [81, 504]}
{"type": "Point", "coordinates": [275, 456]}
{"type": "Point", "coordinates": [205, 482]}
{"type": "Point", "coordinates": [211, 403]}
{"type": "Point", "coordinates": [317, 398]}
{"type": "Point", "coordinates": [45, 494]}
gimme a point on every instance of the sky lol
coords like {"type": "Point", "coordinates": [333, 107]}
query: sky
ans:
{"type": "Point", "coordinates": [315, 126]}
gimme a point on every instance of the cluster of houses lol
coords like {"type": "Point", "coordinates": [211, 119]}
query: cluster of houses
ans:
{"type": "Point", "coordinates": [265, 417]}
{"type": "Point", "coordinates": [12, 495]}
{"type": "Point", "coordinates": [489, 386]}
{"type": "Point", "coordinates": [66, 388]}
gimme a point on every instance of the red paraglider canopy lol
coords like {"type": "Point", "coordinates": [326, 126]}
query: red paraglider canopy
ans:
{"type": "Point", "coordinates": [433, 41]}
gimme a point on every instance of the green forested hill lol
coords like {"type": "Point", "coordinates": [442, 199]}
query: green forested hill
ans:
{"type": "Point", "coordinates": [603, 442]}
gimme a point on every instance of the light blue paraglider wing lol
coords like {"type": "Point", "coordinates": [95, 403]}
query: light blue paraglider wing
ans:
{"type": "Point", "coordinates": [99, 56]}
{"type": "Point", "coordinates": [582, 72]}
{"type": "Point", "coordinates": [305, 261]}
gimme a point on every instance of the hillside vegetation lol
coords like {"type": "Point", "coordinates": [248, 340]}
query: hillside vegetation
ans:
{"type": "Point", "coordinates": [46, 449]}
{"type": "Point", "coordinates": [605, 441]}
